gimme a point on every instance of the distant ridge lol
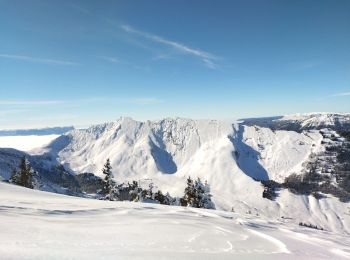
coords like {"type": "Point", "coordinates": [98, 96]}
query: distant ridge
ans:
{"type": "Point", "coordinates": [39, 131]}
{"type": "Point", "coordinates": [300, 122]}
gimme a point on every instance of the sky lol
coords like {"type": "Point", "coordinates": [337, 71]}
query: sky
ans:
{"type": "Point", "coordinates": [72, 62]}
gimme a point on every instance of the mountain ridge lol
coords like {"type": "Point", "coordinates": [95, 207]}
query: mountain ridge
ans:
{"type": "Point", "coordinates": [36, 131]}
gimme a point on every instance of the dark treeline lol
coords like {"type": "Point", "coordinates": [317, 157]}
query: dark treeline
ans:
{"type": "Point", "coordinates": [196, 194]}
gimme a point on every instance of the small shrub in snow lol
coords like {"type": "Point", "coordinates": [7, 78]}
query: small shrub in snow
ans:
{"type": "Point", "coordinates": [270, 187]}
{"type": "Point", "coordinates": [310, 226]}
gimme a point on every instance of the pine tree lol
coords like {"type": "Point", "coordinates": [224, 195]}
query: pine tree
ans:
{"type": "Point", "coordinates": [15, 178]}
{"type": "Point", "coordinates": [109, 187]}
{"type": "Point", "coordinates": [168, 200]}
{"type": "Point", "coordinates": [203, 196]}
{"type": "Point", "coordinates": [158, 196]}
{"type": "Point", "coordinates": [135, 191]}
{"type": "Point", "coordinates": [149, 195]}
{"type": "Point", "coordinates": [23, 177]}
{"type": "Point", "coordinates": [189, 196]}
{"type": "Point", "coordinates": [197, 195]}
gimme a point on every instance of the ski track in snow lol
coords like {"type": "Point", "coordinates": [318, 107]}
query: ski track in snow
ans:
{"type": "Point", "coordinates": [40, 225]}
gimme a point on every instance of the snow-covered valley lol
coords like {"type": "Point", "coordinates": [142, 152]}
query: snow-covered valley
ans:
{"type": "Point", "coordinates": [41, 225]}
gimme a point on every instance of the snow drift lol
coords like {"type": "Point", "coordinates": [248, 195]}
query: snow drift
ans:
{"type": "Point", "coordinates": [40, 225]}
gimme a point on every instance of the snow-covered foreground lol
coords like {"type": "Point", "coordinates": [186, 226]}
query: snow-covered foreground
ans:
{"type": "Point", "coordinates": [26, 143]}
{"type": "Point", "coordinates": [40, 225]}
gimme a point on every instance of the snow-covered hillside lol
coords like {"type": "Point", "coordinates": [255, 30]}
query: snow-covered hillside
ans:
{"type": "Point", "coordinates": [306, 121]}
{"type": "Point", "coordinates": [40, 225]}
{"type": "Point", "coordinates": [317, 120]}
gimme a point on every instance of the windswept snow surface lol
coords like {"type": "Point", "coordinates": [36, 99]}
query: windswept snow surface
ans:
{"type": "Point", "coordinates": [40, 225]}
{"type": "Point", "coordinates": [26, 142]}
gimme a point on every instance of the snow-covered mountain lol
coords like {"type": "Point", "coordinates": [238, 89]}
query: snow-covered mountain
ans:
{"type": "Point", "coordinates": [230, 156]}
{"type": "Point", "coordinates": [306, 121]}
{"type": "Point", "coordinates": [179, 147]}
{"type": "Point", "coordinates": [41, 225]}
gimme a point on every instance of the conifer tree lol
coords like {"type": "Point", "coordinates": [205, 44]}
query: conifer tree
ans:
{"type": "Point", "coordinates": [109, 187]}
{"type": "Point", "coordinates": [23, 177]}
{"type": "Point", "coordinates": [135, 191]}
{"type": "Point", "coordinates": [197, 195]}
{"type": "Point", "coordinates": [15, 178]}
{"type": "Point", "coordinates": [203, 196]}
{"type": "Point", "coordinates": [158, 196]}
{"type": "Point", "coordinates": [189, 196]}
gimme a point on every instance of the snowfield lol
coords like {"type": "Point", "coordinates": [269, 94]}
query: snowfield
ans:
{"type": "Point", "coordinates": [40, 225]}
{"type": "Point", "coordinates": [27, 142]}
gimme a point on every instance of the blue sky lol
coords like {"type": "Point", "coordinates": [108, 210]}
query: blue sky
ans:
{"type": "Point", "coordinates": [82, 62]}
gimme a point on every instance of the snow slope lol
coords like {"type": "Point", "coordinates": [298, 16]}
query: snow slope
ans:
{"type": "Point", "coordinates": [26, 142]}
{"type": "Point", "coordinates": [279, 153]}
{"type": "Point", "coordinates": [40, 225]}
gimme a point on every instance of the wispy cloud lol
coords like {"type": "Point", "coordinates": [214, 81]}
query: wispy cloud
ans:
{"type": "Point", "coordinates": [144, 101]}
{"type": "Point", "coordinates": [343, 94]}
{"type": "Point", "coordinates": [307, 65]}
{"type": "Point", "coordinates": [38, 60]}
{"type": "Point", "coordinates": [30, 102]}
{"type": "Point", "coordinates": [206, 57]}
{"type": "Point", "coordinates": [110, 59]}
{"type": "Point", "coordinates": [8, 112]}
{"type": "Point", "coordinates": [210, 64]}
{"type": "Point", "coordinates": [80, 9]}
{"type": "Point", "coordinates": [77, 102]}
{"type": "Point", "coordinates": [116, 60]}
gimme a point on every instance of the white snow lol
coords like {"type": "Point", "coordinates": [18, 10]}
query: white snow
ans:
{"type": "Point", "coordinates": [280, 153]}
{"type": "Point", "coordinates": [40, 225]}
{"type": "Point", "coordinates": [26, 143]}
{"type": "Point", "coordinates": [317, 119]}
